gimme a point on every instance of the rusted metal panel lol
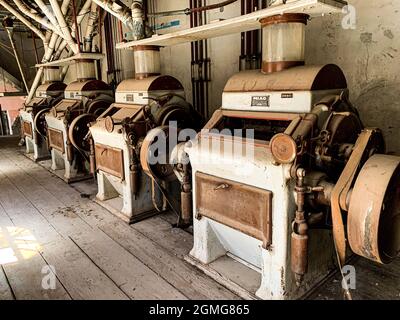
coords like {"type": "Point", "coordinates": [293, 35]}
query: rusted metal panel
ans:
{"type": "Point", "coordinates": [89, 85]}
{"type": "Point", "coordinates": [56, 140]}
{"type": "Point", "coordinates": [303, 78]}
{"type": "Point", "coordinates": [36, 102]}
{"type": "Point", "coordinates": [51, 87]}
{"type": "Point", "coordinates": [27, 128]}
{"type": "Point", "coordinates": [242, 207]}
{"type": "Point", "coordinates": [110, 160]}
{"type": "Point", "coordinates": [153, 83]}
{"type": "Point", "coordinates": [63, 106]}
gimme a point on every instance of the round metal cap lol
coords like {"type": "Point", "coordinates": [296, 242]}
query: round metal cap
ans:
{"type": "Point", "coordinates": [283, 148]}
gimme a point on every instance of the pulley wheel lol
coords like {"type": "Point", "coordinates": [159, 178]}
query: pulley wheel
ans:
{"type": "Point", "coordinates": [155, 154]}
{"type": "Point", "coordinates": [99, 106]}
{"type": "Point", "coordinates": [374, 211]}
{"type": "Point", "coordinates": [79, 129]}
{"type": "Point", "coordinates": [40, 123]}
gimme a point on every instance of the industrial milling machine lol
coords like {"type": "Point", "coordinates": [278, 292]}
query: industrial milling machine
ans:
{"type": "Point", "coordinates": [149, 101]}
{"type": "Point", "coordinates": [33, 124]}
{"type": "Point", "coordinates": [67, 122]}
{"type": "Point", "coordinates": [285, 176]}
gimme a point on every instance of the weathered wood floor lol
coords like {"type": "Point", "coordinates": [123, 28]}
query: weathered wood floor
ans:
{"type": "Point", "coordinates": [43, 221]}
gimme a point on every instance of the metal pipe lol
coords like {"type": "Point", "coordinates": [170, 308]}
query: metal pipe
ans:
{"type": "Point", "coordinates": [46, 58]}
{"type": "Point", "coordinates": [35, 47]}
{"type": "Point", "coordinates": [81, 15]}
{"type": "Point", "coordinates": [100, 26]}
{"type": "Point", "coordinates": [77, 37]}
{"type": "Point", "coordinates": [63, 24]}
{"type": "Point", "coordinates": [48, 54]}
{"type": "Point", "coordinates": [8, 25]}
{"type": "Point", "coordinates": [93, 17]}
{"type": "Point", "coordinates": [23, 19]}
{"type": "Point", "coordinates": [47, 12]}
{"type": "Point", "coordinates": [188, 11]}
{"type": "Point", "coordinates": [299, 237]}
{"type": "Point", "coordinates": [186, 196]}
{"type": "Point", "coordinates": [121, 12]}
{"type": "Point", "coordinates": [137, 20]}
{"type": "Point", "coordinates": [35, 16]}
{"type": "Point", "coordinates": [35, 85]}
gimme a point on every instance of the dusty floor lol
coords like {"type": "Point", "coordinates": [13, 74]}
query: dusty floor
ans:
{"type": "Point", "coordinates": [43, 221]}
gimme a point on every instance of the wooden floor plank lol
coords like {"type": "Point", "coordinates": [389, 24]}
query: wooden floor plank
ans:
{"type": "Point", "coordinates": [373, 281]}
{"type": "Point", "coordinates": [5, 289]}
{"type": "Point", "coordinates": [22, 264]}
{"type": "Point", "coordinates": [144, 248]}
{"type": "Point", "coordinates": [177, 241]}
{"type": "Point", "coordinates": [25, 277]}
{"type": "Point", "coordinates": [22, 213]}
{"type": "Point", "coordinates": [83, 280]}
{"type": "Point", "coordinates": [62, 218]}
{"type": "Point", "coordinates": [131, 275]}
{"type": "Point", "coordinates": [191, 282]}
{"type": "Point", "coordinates": [21, 196]}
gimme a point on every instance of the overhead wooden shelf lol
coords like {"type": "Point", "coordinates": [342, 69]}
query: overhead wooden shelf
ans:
{"type": "Point", "coordinates": [71, 60]}
{"type": "Point", "coordinates": [239, 24]}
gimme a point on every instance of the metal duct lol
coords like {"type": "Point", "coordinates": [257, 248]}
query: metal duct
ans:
{"type": "Point", "coordinates": [46, 58]}
{"type": "Point", "coordinates": [93, 16]}
{"type": "Point", "coordinates": [121, 12]}
{"type": "Point", "coordinates": [48, 54]}
{"type": "Point", "coordinates": [137, 20]}
{"type": "Point", "coordinates": [63, 24]}
{"type": "Point", "coordinates": [35, 16]}
{"type": "Point", "coordinates": [22, 19]}
{"type": "Point", "coordinates": [80, 17]}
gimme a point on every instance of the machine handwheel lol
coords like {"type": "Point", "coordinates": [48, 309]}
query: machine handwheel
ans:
{"type": "Point", "coordinates": [40, 123]}
{"type": "Point", "coordinates": [79, 129]}
{"type": "Point", "coordinates": [155, 154]}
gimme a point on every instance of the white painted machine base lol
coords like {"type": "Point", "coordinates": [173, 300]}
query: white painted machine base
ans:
{"type": "Point", "coordinates": [40, 151]}
{"type": "Point", "coordinates": [116, 196]}
{"type": "Point", "coordinates": [60, 159]}
{"type": "Point", "coordinates": [213, 240]}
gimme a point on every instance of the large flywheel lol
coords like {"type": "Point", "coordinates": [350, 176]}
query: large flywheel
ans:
{"type": "Point", "coordinates": [155, 153]}
{"type": "Point", "coordinates": [40, 123]}
{"type": "Point", "coordinates": [374, 211]}
{"type": "Point", "coordinates": [79, 130]}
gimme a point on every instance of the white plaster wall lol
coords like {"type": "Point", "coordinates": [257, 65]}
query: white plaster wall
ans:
{"type": "Point", "coordinates": [370, 58]}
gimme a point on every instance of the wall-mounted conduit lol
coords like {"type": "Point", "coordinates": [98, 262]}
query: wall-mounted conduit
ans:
{"type": "Point", "coordinates": [201, 63]}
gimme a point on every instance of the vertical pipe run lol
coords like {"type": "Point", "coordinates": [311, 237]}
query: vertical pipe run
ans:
{"type": "Point", "coordinates": [9, 28]}
{"type": "Point", "coordinates": [299, 237]}
{"type": "Point", "coordinates": [77, 35]}
{"type": "Point", "coordinates": [186, 196]}
{"type": "Point", "coordinates": [62, 24]}
{"type": "Point", "coordinates": [35, 47]}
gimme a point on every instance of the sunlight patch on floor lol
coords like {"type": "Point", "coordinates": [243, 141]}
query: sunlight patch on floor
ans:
{"type": "Point", "coordinates": [17, 244]}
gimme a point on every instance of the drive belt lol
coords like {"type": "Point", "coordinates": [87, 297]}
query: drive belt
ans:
{"type": "Point", "coordinates": [341, 190]}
